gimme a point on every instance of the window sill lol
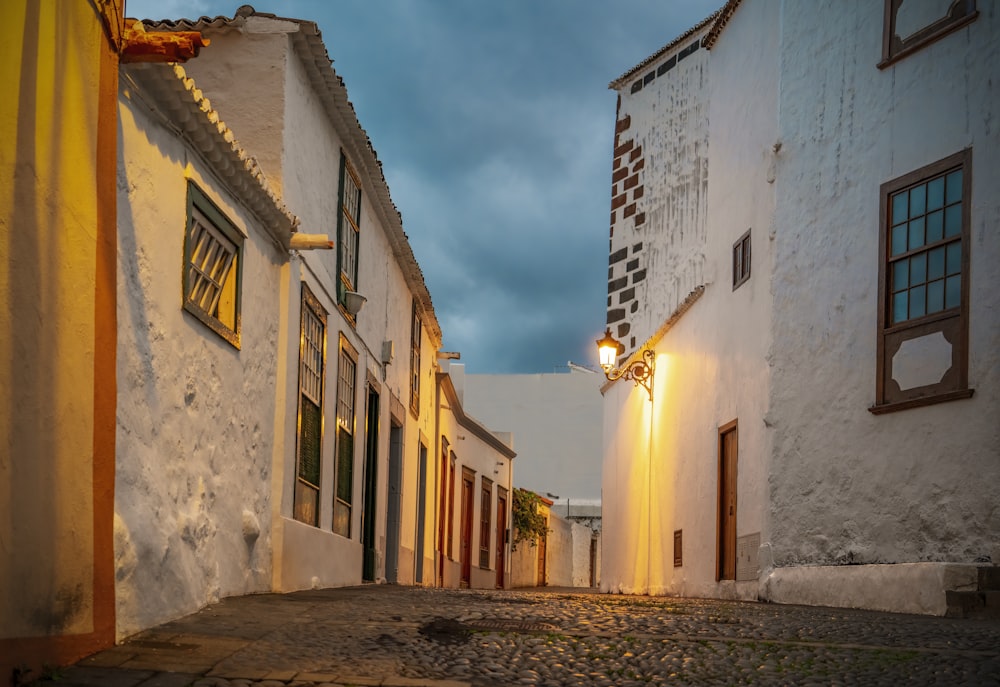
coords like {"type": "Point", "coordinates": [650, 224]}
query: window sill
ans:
{"type": "Point", "coordinates": [923, 401]}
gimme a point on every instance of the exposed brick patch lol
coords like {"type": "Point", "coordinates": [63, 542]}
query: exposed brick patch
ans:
{"type": "Point", "coordinates": [619, 174]}
{"type": "Point", "coordinates": [629, 211]}
{"type": "Point", "coordinates": [638, 275]}
{"type": "Point", "coordinates": [633, 309]}
{"type": "Point", "coordinates": [616, 315]}
{"type": "Point", "coordinates": [614, 217]}
{"type": "Point", "coordinates": [609, 301]}
{"type": "Point", "coordinates": [636, 247]}
{"type": "Point", "coordinates": [618, 256]}
{"type": "Point", "coordinates": [636, 152]}
{"type": "Point", "coordinates": [624, 147]}
{"type": "Point", "coordinates": [638, 192]}
{"type": "Point", "coordinates": [640, 219]}
{"type": "Point", "coordinates": [614, 190]}
{"type": "Point", "coordinates": [623, 329]}
{"type": "Point", "coordinates": [618, 201]}
{"type": "Point", "coordinates": [632, 343]}
{"type": "Point", "coordinates": [631, 182]}
{"type": "Point", "coordinates": [639, 165]}
{"type": "Point", "coordinates": [632, 265]}
{"type": "Point", "coordinates": [623, 124]}
{"type": "Point", "coordinates": [611, 273]}
{"type": "Point", "coordinates": [626, 295]}
{"type": "Point", "coordinates": [616, 284]}
{"type": "Point", "coordinates": [618, 163]}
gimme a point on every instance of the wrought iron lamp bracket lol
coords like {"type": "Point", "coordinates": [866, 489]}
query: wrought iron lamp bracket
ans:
{"type": "Point", "coordinates": [639, 371]}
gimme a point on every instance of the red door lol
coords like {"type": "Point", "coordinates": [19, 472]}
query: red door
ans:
{"type": "Point", "coordinates": [501, 535]}
{"type": "Point", "coordinates": [727, 502]}
{"type": "Point", "coordinates": [468, 482]}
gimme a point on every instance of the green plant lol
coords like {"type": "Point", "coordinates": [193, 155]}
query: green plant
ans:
{"type": "Point", "coordinates": [529, 522]}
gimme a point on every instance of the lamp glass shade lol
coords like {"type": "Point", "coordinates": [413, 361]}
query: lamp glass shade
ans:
{"type": "Point", "coordinates": [608, 348]}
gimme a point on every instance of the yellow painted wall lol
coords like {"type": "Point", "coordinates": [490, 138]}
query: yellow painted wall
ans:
{"type": "Point", "coordinates": [58, 66]}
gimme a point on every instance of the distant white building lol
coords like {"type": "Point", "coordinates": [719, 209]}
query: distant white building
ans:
{"type": "Point", "coordinates": [556, 422]}
{"type": "Point", "coordinates": [803, 232]}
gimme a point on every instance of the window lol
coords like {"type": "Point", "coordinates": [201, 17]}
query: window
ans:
{"type": "Point", "coordinates": [312, 376]}
{"type": "Point", "coordinates": [344, 476]}
{"type": "Point", "coordinates": [910, 26]}
{"type": "Point", "coordinates": [348, 228]}
{"type": "Point", "coordinates": [678, 548]}
{"type": "Point", "coordinates": [485, 523]}
{"type": "Point", "coordinates": [213, 268]}
{"type": "Point", "coordinates": [741, 260]}
{"type": "Point", "coordinates": [923, 286]}
{"type": "Point", "coordinates": [415, 335]}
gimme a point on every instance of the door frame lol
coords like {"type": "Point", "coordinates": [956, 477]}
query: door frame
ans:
{"type": "Point", "coordinates": [725, 568]}
{"type": "Point", "coordinates": [501, 554]}
{"type": "Point", "coordinates": [465, 536]}
{"type": "Point", "coordinates": [369, 509]}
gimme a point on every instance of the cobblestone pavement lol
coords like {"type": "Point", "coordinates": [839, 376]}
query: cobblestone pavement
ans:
{"type": "Point", "coordinates": [410, 637]}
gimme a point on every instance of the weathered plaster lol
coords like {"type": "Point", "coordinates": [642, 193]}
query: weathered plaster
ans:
{"type": "Point", "coordinates": [192, 506]}
{"type": "Point", "coordinates": [847, 486]}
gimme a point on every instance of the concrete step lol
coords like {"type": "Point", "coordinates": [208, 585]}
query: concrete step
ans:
{"type": "Point", "coordinates": [989, 578]}
{"type": "Point", "coordinates": [977, 604]}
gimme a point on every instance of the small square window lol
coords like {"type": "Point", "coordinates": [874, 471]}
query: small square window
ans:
{"type": "Point", "coordinates": [678, 548]}
{"type": "Point", "coordinates": [212, 267]}
{"type": "Point", "coordinates": [741, 260]}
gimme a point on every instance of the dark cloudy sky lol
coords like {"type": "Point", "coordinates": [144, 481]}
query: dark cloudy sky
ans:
{"type": "Point", "coordinates": [494, 125]}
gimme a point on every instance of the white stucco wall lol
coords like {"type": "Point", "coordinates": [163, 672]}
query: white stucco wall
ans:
{"type": "Point", "coordinates": [257, 72]}
{"type": "Point", "coordinates": [804, 128]}
{"type": "Point", "coordinates": [848, 486]}
{"type": "Point", "coordinates": [195, 432]}
{"type": "Point", "coordinates": [661, 456]}
{"type": "Point", "coordinates": [555, 422]}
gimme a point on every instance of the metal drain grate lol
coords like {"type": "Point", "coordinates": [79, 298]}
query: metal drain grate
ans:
{"type": "Point", "coordinates": [506, 625]}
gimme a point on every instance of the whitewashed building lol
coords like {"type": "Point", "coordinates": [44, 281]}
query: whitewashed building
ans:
{"type": "Point", "coordinates": [197, 367]}
{"type": "Point", "coordinates": [279, 416]}
{"type": "Point", "coordinates": [803, 234]}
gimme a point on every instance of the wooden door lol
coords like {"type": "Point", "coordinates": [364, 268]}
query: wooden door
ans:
{"type": "Point", "coordinates": [370, 506]}
{"type": "Point", "coordinates": [501, 557]}
{"type": "Point", "coordinates": [542, 542]}
{"type": "Point", "coordinates": [468, 485]}
{"type": "Point", "coordinates": [728, 448]}
{"type": "Point", "coordinates": [393, 507]}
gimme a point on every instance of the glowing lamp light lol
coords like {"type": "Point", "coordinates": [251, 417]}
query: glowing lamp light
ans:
{"type": "Point", "coordinates": [639, 371]}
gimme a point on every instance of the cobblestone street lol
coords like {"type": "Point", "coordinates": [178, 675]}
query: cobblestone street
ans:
{"type": "Point", "coordinates": [400, 636]}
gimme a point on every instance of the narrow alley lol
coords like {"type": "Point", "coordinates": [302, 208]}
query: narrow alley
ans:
{"type": "Point", "coordinates": [405, 636]}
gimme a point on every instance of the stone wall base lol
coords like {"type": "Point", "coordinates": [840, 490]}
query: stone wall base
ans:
{"type": "Point", "coordinates": [899, 588]}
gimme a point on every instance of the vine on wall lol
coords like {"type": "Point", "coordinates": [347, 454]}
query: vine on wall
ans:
{"type": "Point", "coordinates": [529, 522]}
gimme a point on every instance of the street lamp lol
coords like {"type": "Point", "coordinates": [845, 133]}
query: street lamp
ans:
{"type": "Point", "coordinates": [639, 371]}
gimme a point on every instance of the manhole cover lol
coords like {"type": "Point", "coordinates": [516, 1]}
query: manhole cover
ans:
{"type": "Point", "coordinates": [505, 625]}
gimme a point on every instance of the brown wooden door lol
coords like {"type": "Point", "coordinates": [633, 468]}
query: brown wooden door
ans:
{"type": "Point", "coordinates": [501, 556]}
{"type": "Point", "coordinates": [468, 484]}
{"type": "Point", "coordinates": [728, 446]}
{"type": "Point", "coordinates": [542, 541]}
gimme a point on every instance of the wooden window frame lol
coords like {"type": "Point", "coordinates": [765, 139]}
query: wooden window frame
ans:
{"type": "Point", "coordinates": [349, 201]}
{"type": "Point", "coordinates": [220, 234]}
{"type": "Point", "coordinates": [485, 522]}
{"type": "Point", "coordinates": [741, 260]}
{"type": "Point", "coordinates": [961, 13]}
{"type": "Point", "coordinates": [678, 548]}
{"type": "Point", "coordinates": [416, 335]}
{"type": "Point", "coordinates": [346, 423]}
{"type": "Point", "coordinates": [310, 307]}
{"type": "Point", "coordinates": [952, 323]}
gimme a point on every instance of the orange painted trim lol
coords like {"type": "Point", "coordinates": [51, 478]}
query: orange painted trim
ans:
{"type": "Point", "coordinates": [32, 653]}
{"type": "Point", "coordinates": [105, 351]}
